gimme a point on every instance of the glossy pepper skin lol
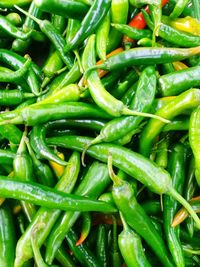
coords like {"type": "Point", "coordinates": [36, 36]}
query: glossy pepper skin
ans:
{"type": "Point", "coordinates": [124, 198]}
{"type": "Point", "coordinates": [7, 237]}
{"type": "Point", "coordinates": [93, 184]}
{"type": "Point", "coordinates": [47, 216]}
{"type": "Point", "coordinates": [193, 138]}
{"type": "Point", "coordinates": [176, 168]}
{"type": "Point", "coordinates": [91, 21]}
{"type": "Point", "coordinates": [134, 164]}
{"type": "Point", "coordinates": [69, 9]}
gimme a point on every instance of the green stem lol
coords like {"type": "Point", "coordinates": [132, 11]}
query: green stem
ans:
{"type": "Point", "coordinates": [172, 192]}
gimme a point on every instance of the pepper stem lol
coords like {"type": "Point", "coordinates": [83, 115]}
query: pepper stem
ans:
{"type": "Point", "coordinates": [38, 21]}
{"type": "Point", "coordinates": [93, 142]}
{"type": "Point", "coordinates": [116, 180]}
{"type": "Point", "coordinates": [127, 111]}
{"type": "Point", "coordinates": [185, 204]}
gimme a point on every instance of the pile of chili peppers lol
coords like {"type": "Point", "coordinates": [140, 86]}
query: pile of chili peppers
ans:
{"type": "Point", "coordinates": [99, 133]}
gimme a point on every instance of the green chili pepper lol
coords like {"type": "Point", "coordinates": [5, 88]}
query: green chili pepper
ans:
{"type": "Point", "coordinates": [124, 197]}
{"type": "Point", "coordinates": [134, 164]}
{"type": "Point", "coordinates": [32, 115]}
{"type": "Point", "coordinates": [14, 18]}
{"type": "Point", "coordinates": [151, 207]}
{"type": "Point", "coordinates": [23, 171]}
{"type": "Point", "coordinates": [17, 62]}
{"type": "Point", "coordinates": [178, 9]}
{"type": "Point", "coordinates": [17, 75]}
{"type": "Point", "coordinates": [11, 3]}
{"type": "Point", "coordinates": [189, 191]}
{"type": "Point", "coordinates": [131, 247]}
{"type": "Point", "coordinates": [176, 168]}
{"type": "Point", "coordinates": [102, 34]}
{"type": "Point", "coordinates": [93, 184]}
{"type": "Point", "coordinates": [42, 171]}
{"type": "Point", "coordinates": [119, 127]}
{"type": "Point", "coordinates": [91, 21]}
{"type": "Point", "coordinates": [7, 237]}
{"type": "Point", "coordinates": [187, 100]}
{"type": "Point", "coordinates": [101, 97]}
{"type": "Point", "coordinates": [72, 28]}
{"type": "Point", "coordinates": [13, 97]}
{"type": "Point", "coordinates": [53, 34]}
{"type": "Point", "coordinates": [7, 28]}
{"type": "Point", "coordinates": [196, 8]}
{"type": "Point", "coordinates": [102, 246]}
{"type": "Point", "coordinates": [137, 56]}
{"type": "Point", "coordinates": [71, 9]}
{"type": "Point", "coordinates": [29, 25]}
{"type": "Point", "coordinates": [6, 156]}
{"type": "Point", "coordinates": [46, 216]}
{"type": "Point", "coordinates": [119, 17]}
{"type": "Point", "coordinates": [86, 225]}
{"type": "Point", "coordinates": [162, 151]}
{"type": "Point", "coordinates": [131, 32]}
{"type": "Point", "coordinates": [82, 252]}
{"type": "Point", "coordinates": [193, 138]}
{"type": "Point", "coordinates": [37, 139]}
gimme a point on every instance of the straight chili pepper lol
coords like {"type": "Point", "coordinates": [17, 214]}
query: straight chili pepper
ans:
{"type": "Point", "coordinates": [194, 135]}
{"type": "Point", "coordinates": [11, 3]}
{"type": "Point", "coordinates": [117, 16]}
{"type": "Point", "coordinates": [7, 237]}
{"type": "Point", "coordinates": [49, 198]}
{"type": "Point", "coordinates": [102, 246]}
{"type": "Point", "coordinates": [134, 164]}
{"type": "Point", "coordinates": [176, 168]}
{"type": "Point", "coordinates": [137, 56]}
{"type": "Point", "coordinates": [91, 21]}
{"type": "Point", "coordinates": [84, 255]}
{"type": "Point", "coordinates": [13, 97]}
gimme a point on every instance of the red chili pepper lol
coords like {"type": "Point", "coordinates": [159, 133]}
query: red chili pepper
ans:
{"type": "Point", "coordinates": [138, 22]}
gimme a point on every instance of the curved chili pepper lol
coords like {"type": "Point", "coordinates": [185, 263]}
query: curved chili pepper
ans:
{"type": "Point", "coordinates": [73, 26]}
{"type": "Point", "coordinates": [178, 9]}
{"type": "Point", "coordinates": [101, 97]}
{"type": "Point", "coordinates": [29, 25]}
{"type": "Point", "coordinates": [53, 34]}
{"type": "Point", "coordinates": [46, 216]}
{"type": "Point", "coordinates": [71, 9]}
{"type": "Point", "coordinates": [187, 100]}
{"type": "Point", "coordinates": [16, 62]}
{"type": "Point", "coordinates": [85, 227]}
{"type": "Point", "coordinates": [193, 139]}
{"type": "Point", "coordinates": [176, 165]}
{"type": "Point", "coordinates": [91, 21]}
{"type": "Point", "coordinates": [130, 162]}
{"type": "Point", "coordinates": [143, 99]}
{"type": "Point", "coordinates": [7, 28]}
{"type": "Point", "coordinates": [93, 184]}
{"type": "Point", "coordinates": [124, 197]}
{"type": "Point", "coordinates": [17, 75]}
{"type": "Point", "coordinates": [42, 171]}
